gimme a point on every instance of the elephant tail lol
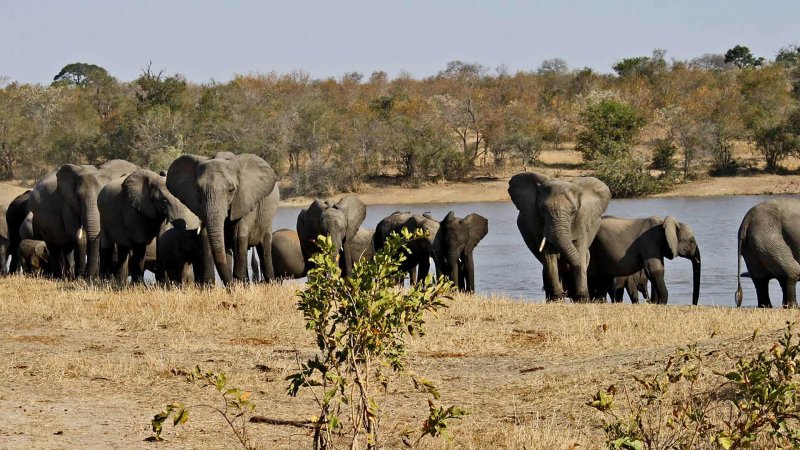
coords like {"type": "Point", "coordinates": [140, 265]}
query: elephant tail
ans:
{"type": "Point", "coordinates": [740, 243]}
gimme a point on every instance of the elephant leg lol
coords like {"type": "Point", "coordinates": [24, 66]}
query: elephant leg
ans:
{"type": "Point", "coordinates": [68, 269]}
{"type": "Point", "coordinates": [788, 286]}
{"type": "Point", "coordinates": [469, 272]}
{"type": "Point", "coordinates": [550, 274]}
{"type": "Point", "coordinates": [265, 254]}
{"type": "Point", "coordinates": [240, 258]}
{"type": "Point", "coordinates": [121, 264]}
{"type": "Point", "coordinates": [654, 270]}
{"type": "Point", "coordinates": [422, 270]}
{"type": "Point", "coordinates": [762, 292]}
{"type": "Point", "coordinates": [136, 263]}
{"type": "Point", "coordinates": [106, 261]}
{"type": "Point", "coordinates": [412, 276]}
{"type": "Point", "coordinates": [633, 292]}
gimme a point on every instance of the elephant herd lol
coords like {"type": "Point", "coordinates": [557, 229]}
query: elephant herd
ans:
{"type": "Point", "coordinates": [198, 220]}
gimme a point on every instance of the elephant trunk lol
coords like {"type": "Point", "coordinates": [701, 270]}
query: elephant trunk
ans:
{"type": "Point", "coordinates": [559, 233]}
{"type": "Point", "coordinates": [215, 216]}
{"type": "Point", "coordinates": [696, 277]}
{"type": "Point", "coordinates": [452, 259]}
{"type": "Point", "coordinates": [91, 224]}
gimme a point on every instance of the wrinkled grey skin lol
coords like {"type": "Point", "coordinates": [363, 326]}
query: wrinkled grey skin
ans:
{"type": "Point", "coordinates": [625, 246]}
{"type": "Point", "coordinates": [179, 256]}
{"type": "Point", "coordinates": [339, 220]}
{"type": "Point", "coordinates": [33, 256]}
{"type": "Point", "coordinates": [236, 198]}
{"type": "Point", "coordinates": [4, 241]}
{"type": "Point", "coordinates": [133, 211]}
{"type": "Point", "coordinates": [633, 284]}
{"type": "Point", "coordinates": [64, 206]}
{"type": "Point", "coordinates": [17, 212]}
{"type": "Point", "coordinates": [566, 214]}
{"type": "Point", "coordinates": [768, 241]}
{"type": "Point", "coordinates": [454, 243]}
{"type": "Point", "coordinates": [420, 251]}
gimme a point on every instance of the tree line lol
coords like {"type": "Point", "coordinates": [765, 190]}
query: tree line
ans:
{"type": "Point", "coordinates": [651, 122]}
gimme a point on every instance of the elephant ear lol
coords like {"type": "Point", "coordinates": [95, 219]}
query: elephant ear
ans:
{"type": "Point", "coordinates": [40, 250]}
{"type": "Point", "coordinates": [308, 221]}
{"type": "Point", "coordinates": [182, 181]}
{"type": "Point", "coordinates": [67, 184]}
{"type": "Point", "coordinates": [256, 181]}
{"type": "Point", "coordinates": [523, 188]}
{"type": "Point", "coordinates": [137, 187]}
{"type": "Point", "coordinates": [594, 197]}
{"type": "Point", "coordinates": [671, 234]}
{"type": "Point", "coordinates": [355, 211]}
{"type": "Point", "coordinates": [477, 228]}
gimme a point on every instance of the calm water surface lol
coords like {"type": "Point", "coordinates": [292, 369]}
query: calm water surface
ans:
{"type": "Point", "coordinates": [504, 266]}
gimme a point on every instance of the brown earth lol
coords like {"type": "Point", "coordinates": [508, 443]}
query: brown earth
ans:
{"type": "Point", "coordinates": [88, 367]}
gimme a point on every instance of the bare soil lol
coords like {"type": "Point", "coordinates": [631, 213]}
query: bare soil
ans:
{"type": "Point", "coordinates": [88, 367]}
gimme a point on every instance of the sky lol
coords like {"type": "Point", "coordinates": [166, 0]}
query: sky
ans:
{"type": "Point", "coordinates": [214, 40]}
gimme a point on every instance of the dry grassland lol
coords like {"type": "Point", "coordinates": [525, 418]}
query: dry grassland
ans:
{"type": "Point", "coordinates": [87, 367]}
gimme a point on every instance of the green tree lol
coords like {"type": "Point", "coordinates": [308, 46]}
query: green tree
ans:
{"type": "Point", "coordinates": [155, 89]}
{"type": "Point", "coordinates": [740, 56]}
{"type": "Point", "coordinates": [610, 129]}
{"type": "Point", "coordinates": [81, 74]}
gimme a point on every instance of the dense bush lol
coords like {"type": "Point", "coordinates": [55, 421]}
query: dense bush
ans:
{"type": "Point", "coordinates": [626, 176]}
{"type": "Point", "coordinates": [610, 129]}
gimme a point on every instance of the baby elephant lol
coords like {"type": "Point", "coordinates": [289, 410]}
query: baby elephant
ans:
{"type": "Point", "coordinates": [33, 256]}
{"type": "Point", "coordinates": [769, 239]}
{"type": "Point", "coordinates": [633, 284]}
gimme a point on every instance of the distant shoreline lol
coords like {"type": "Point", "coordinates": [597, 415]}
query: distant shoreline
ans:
{"type": "Point", "coordinates": [495, 191]}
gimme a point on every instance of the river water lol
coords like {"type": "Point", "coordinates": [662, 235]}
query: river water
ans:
{"type": "Point", "coordinates": [504, 266]}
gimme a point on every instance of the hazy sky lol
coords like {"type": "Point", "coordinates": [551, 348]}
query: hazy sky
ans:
{"type": "Point", "coordinates": [206, 40]}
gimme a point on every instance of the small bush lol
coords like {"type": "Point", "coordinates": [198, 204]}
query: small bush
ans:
{"type": "Point", "coordinates": [686, 406]}
{"type": "Point", "coordinates": [361, 324]}
{"type": "Point", "coordinates": [626, 176]}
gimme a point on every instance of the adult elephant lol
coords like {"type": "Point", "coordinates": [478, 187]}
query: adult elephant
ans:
{"type": "Point", "coordinates": [420, 251]}
{"type": "Point", "coordinates": [454, 243]}
{"type": "Point", "coordinates": [623, 247]}
{"type": "Point", "coordinates": [133, 211]}
{"type": "Point", "coordinates": [64, 206]}
{"type": "Point", "coordinates": [768, 241]}
{"type": "Point", "coordinates": [558, 220]}
{"type": "Point", "coordinates": [340, 221]}
{"type": "Point", "coordinates": [15, 215]}
{"type": "Point", "coordinates": [236, 198]}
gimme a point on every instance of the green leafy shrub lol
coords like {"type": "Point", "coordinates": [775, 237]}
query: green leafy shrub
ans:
{"type": "Point", "coordinates": [610, 129]}
{"type": "Point", "coordinates": [756, 404]}
{"type": "Point", "coordinates": [626, 176]}
{"type": "Point", "coordinates": [361, 325]}
{"type": "Point", "coordinates": [235, 409]}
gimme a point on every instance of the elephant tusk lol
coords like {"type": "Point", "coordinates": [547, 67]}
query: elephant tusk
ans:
{"type": "Point", "coordinates": [198, 230]}
{"type": "Point", "coordinates": [80, 233]}
{"type": "Point", "coordinates": [541, 246]}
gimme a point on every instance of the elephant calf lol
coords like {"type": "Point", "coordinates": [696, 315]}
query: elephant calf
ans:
{"type": "Point", "coordinates": [768, 240]}
{"type": "Point", "coordinates": [33, 256]}
{"type": "Point", "coordinates": [633, 284]}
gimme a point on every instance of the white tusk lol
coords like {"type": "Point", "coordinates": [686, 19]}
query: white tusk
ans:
{"type": "Point", "coordinates": [80, 233]}
{"type": "Point", "coordinates": [541, 246]}
{"type": "Point", "coordinates": [198, 231]}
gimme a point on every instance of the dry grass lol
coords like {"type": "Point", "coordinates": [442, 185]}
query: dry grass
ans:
{"type": "Point", "coordinates": [88, 367]}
